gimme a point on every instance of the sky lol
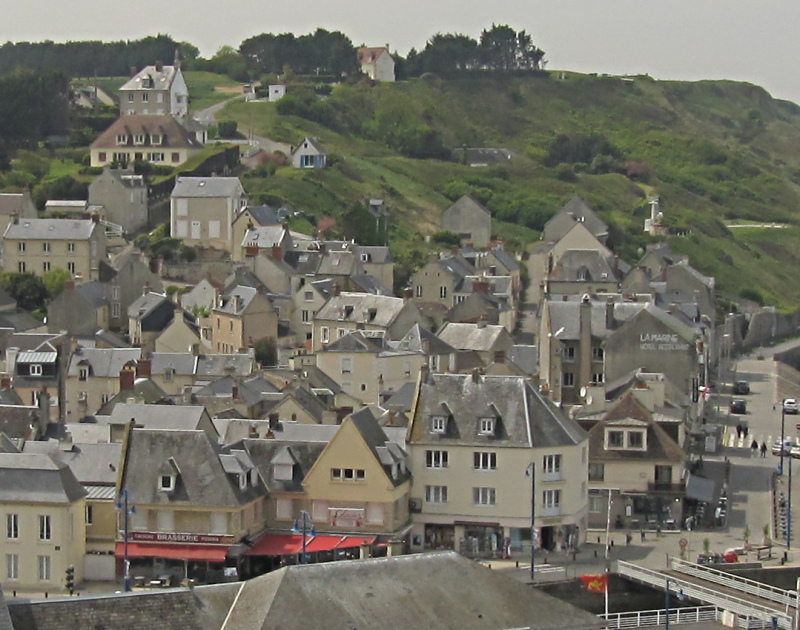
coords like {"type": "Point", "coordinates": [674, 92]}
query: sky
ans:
{"type": "Point", "coordinates": [668, 39]}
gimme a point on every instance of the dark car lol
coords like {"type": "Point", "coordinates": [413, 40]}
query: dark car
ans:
{"type": "Point", "coordinates": [738, 405]}
{"type": "Point", "coordinates": [741, 388]}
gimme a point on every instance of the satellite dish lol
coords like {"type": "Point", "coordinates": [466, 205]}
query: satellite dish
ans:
{"type": "Point", "coordinates": [583, 392]}
{"type": "Point", "coordinates": [589, 400]}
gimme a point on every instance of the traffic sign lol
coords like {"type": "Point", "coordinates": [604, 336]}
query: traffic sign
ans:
{"type": "Point", "coordinates": [683, 543]}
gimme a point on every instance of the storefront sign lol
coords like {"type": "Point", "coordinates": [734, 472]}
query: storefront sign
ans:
{"type": "Point", "coordinates": [169, 537]}
{"type": "Point", "coordinates": [662, 342]}
{"type": "Point", "coordinates": [344, 517]}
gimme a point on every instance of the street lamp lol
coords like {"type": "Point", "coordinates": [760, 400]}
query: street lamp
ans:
{"type": "Point", "coordinates": [530, 471]}
{"type": "Point", "coordinates": [125, 504]}
{"type": "Point", "coordinates": [783, 434]}
{"type": "Point", "coordinates": [789, 508]}
{"type": "Point", "coordinates": [306, 526]}
{"type": "Point", "coordinates": [666, 598]}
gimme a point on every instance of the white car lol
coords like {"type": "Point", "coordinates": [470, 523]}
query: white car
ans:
{"type": "Point", "coordinates": [795, 451]}
{"type": "Point", "coordinates": [787, 446]}
{"type": "Point", "coordinates": [790, 406]}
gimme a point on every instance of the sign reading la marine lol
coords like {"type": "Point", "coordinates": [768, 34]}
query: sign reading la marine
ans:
{"type": "Point", "coordinates": [661, 342]}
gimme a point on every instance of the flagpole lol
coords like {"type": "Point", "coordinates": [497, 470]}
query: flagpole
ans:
{"type": "Point", "coordinates": [608, 535]}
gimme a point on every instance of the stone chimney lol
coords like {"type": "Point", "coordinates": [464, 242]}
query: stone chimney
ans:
{"type": "Point", "coordinates": [143, 367]}
{"type": "Point", "coordinates": [408, 293]}
{"type": "Point", "coordinates": [454, 249]}
{"type": "Point", "coordinates": [500, 356]}
{"type": "Point", "coordinates": [127, 377]}
{"type": "Point", "coordinates": [159, 66]}
{"type": "Point", "coordinates": [610, 315]}
{"type": "Point", "coordinates": [235, 390]}
{"type": "Point", "coordinates": [5, 381]}
{"type": "Point", "coordinates": [44, 409]}
{"type": "Point", "coordinates": [584, 343]}
{"type": "Point", "coordinates": [277, 252]}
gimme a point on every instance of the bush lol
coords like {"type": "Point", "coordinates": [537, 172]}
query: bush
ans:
{"type": "Point", "coordinates": [565, 173]}
{"type": "Point", "coordinates": [228, 129]}
{"type": "Point", "coordinates": [446, 238]}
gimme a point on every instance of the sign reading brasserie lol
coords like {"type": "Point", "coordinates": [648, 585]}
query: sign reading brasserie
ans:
{"type": "Point", "coordinates": [192, 539]}
{"type": "Point", "coordinates": [662, 342]}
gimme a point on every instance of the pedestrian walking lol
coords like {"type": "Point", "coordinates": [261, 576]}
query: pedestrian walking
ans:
{"type": "Point", "coordinates": [739, 431]}
{"type": "Point", "coordinates": [745, 431]}
{"type": "Point", "coordinates": [641, 533]}
{"type": "Point", "coordinates": [628, 539]}
{"type": "Point", "coordinates": [763, 449]}
{"type": "Point", "coordinates": [754, 447]}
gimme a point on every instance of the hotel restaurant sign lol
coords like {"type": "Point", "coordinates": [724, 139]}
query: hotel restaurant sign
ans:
{"type": "Point", "coordinates": [190, 539]}
{"type": "Point", "coordinates": [662, 342]}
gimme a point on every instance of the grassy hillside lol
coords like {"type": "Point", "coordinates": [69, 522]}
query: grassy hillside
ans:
{"type": "Point", "coordinates": [714, 152]}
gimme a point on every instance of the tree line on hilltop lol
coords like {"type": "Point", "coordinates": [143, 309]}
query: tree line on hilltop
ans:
{"type": "Point", "coordinates": [323, 53]}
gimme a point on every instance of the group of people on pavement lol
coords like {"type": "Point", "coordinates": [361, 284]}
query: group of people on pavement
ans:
{"type": "Point", "coordinates": [754, 447]}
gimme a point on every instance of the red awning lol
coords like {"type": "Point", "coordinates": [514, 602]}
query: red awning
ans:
{"type": "Point", "coordinates": [291, 544]}
{"type": "Point", "coordinates": [208, 553]}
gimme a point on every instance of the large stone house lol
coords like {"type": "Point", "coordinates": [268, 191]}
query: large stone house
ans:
{"type": "Point", "coordinates": [470, 220]}
{"type": "Point", "coordinates": [123, 196]}
{"type": "Point", "coordinates": [471, 440]}
{"type": "Point", "coordinates": [156, 90]}
{"type": "Point", "coordinates": [202, 210]}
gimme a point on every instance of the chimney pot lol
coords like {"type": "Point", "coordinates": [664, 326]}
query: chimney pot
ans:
{"type": "Point", "coordinates": [277, 252]}
{"type": "Point", "coordinates": [127, 378]}
{"type": "Point", "coordinates": [143, 368]}
{"type": "Point", "coordinates": [454, 249]}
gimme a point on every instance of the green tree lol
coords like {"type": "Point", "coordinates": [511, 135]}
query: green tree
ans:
{"type": "Point", "coordinates": [27, 289]}
{"type": "Point", "coordinates": [228, 128]}
{"type": "Point", "coordinates": [54, 281]}
{"type": "Point", "coordinates": [266, 352]}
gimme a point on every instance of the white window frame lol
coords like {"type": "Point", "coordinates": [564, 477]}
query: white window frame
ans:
{"type": "Point", "coordinates": [437, 459]}
{"type": "Point", "coordinates": [484, 496]}
{"type": "Point", "coordinates": [435, 494]}
{"type": "Point", "coordinates": [442, 293]}
{"type": "Point", "coordinates": [486, 426]}
{"type": "Point", "coordinates": [169, 487]}
{"type": "Point", "coordinates": [551, 499]}
{"type": "Point", "coordinates": [325, 334]}
{"type": "Point", "coordinates": [45, 527]}
{"type": "Point", "coordinates": [12, 526]}
{"type": "Point", "coordinates": [551, 464]}
{"type": "Point", "coordinates": [484, 460]}
{"type": "Point", "coordinates": [438, 424]}
{"type": "Point", "coordinates": [12, 566]}
{"type": "Point", "coordinates": [35, 369]}
{"type": "Point", "coordinates": [44, 568]}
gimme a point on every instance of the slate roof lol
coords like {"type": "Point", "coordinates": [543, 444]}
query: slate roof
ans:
{"type": "Point", "coordinates": [264, 236]}
{"type": "Point", "coordinates": [506, 260]}
{"type": "Point", "coordinates": [102, 362]}
{"type": "Point", "coordinates": [144, 389]}
{"type": "Point", "coordinates": [436, 591]}
{"type": "Point", "coordinates": [202, 481]}
{"type": "Point", "coordinates": [468, 205]}
{"type": "Point", "coordinates": [522, 417]}
{"type": "Point", "coordinates": [337, 263]}
{"type": "Point", "coordinates": [240, 364]}
{"type": "Point", "coordinates": [369, 284]}
{"type": "Point", "coordinates": [92, 464]}
{"type": "Point", "coordinates": [182, 362]}
{"type": "Point", "coordinates": [592, 262]}
{"type": "Point", "coordinates": [471, 336]}
{"type": "Point", "coordinates": [313, 144]}
{"type": "Point", "coordinates": [207, 187]}
{"type": "Point", "coordinates": [419, 339]}
{"type": "Point", "coordinates": [173, 134]}
{"type": "Point", "coordinates": [355, 341]}
{"type": "Point", "coordinates": [565, 316]}
{"type": "Point", "coordinates": [36, 478]}
{"type": "Point", "coordinates": [378, 254]}
{"type": "Point", "coordinates": [337, 308]}
{"type": "Point", "coordinates": [151, 78]}
{"type": "Point", "coordinates": [263, 215]}
{"type": "Point", "coordinates": [14, 202]}
{"type": "Point", "coordinates": [19, 321]}
{"type": "Point", "coordinates": [167, 417]}
{"type": "Point", "coordinates": [203, 294]}
{"type": "Point", "coordinates": [265, 452]}
{"type": "Point", "coordinates": [236, 301]}
{"type": "Point", "coordinates": [250, 390]}
{"type": "Point", "coordinates": [16, 420]}
{"type": "Point", "coordinates": [95, 293]}
{"type": "Point", "coordinates": [457, 266]}
{"type": "Point", "coordinates": [576, 210]}
{"type": "Point", "coordinates": [403, 397]}
{"type": "Point", "coordinates": [660, 446]}
{"type": "Point", "coordinates": [390, 455]}
{"type": "Point", "coordinates": [145, 304]}
{"type": "Point", "coordinates": [51, 229]}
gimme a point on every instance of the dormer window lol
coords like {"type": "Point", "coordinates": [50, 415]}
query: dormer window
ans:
{"type": "Point", "coordinates": [138, 138]}
{"type": "Point", "coordinates": [242, 481]}
{"type": "Point", "coordinates": [438, 424]}
{"type": "Point", "coordinates": [254, 477]}
{"type": "Point", "coordinates": [636, 439]}
{"type": "Point", "coordinates": [122, 139]}
{"type": "Point", "coordinates": [166, 483]}
{"type": "Point", "coordinates": [615, 439]}
{"type": "Point", "coordinates": [83, 373]}
{"type": "Point", "coordinates": [36, 369]}
{"type": "Point", "coordinates": [282, 472]}
{"type": "Point", "coordinates": [486, 426]}
{"type": "Point", "coordinates": [155, 138]}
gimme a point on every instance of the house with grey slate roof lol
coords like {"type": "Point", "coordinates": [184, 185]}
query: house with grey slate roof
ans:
{"type": "Point", "coordinates": [574, 211]}
{"type": "Point", "coordinates": [471, 440]}
{"type": "Point", "coordinates": [309, 154]}
{"type": "Point", "coordinates": [80, 310]}
{"type": "Point", "coordinates": [470, 220]}
{"type": "Point", "coordinates": [202, 210]}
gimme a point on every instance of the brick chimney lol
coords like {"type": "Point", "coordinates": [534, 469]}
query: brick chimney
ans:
{"type": "Point", "coordinates": [408, 293]}
{"type": "Point", "coordinates": [159, 66]}
{"type": "Point", "coordinates": [127, 377]}
{"type": "Point", "coordinates": [5, 381]}
{"type": "Point", "coordinates": [251, 251]}
{"type": "Point", "coordinates": [277, 252]}
{"type": "Point", "coordinates": [235, 390]}
{"type": "Point", "coordinates": [480, 286]}
{"type": "Point", "coordinates": [500, 356]}
{"type": "Point", "coordinates": [143, 367]}
{"type": "Point", "coordinates": [133, 71]}
{"type": "Point", "coordinates": [69, 285]}
{"type": "Point", "coordinates": [335, 289]}
{"type": "Point", "coordinates": [454, 249]}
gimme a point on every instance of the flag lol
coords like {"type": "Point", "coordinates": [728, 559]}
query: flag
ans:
{"type": "Point", "coordinates": [595, 583]}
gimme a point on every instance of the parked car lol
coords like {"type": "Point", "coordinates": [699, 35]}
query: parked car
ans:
{"type": "Point", "coordinates": [795, 451]}
{"type": "Point", "coordinates": [739, 405]}
{"type": "Point", "coordinates": [741, 388]}
{"type": "Point", "coordinates": [790, 406]}
{"type": "Point", "coordinates": [787, 447]}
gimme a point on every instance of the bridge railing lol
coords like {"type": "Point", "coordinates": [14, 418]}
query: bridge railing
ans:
{"type": "Point", "coordinates": [736, 605]}
{"type": "Point", "coordinates": [698, 614]}
{"type": "Point", "coordinates": [763, 591]}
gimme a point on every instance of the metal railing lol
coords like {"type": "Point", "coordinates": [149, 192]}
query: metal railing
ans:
{"type": "Point", "coordinates": [648, 618]}
{"type": "Point", "coordinates": [742, 584]}
{"type": "Point", "coordinates": [641, 618]}
{"type": "Point", "coordinates": [707, 595]}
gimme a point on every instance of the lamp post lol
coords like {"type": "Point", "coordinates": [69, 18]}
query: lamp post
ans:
{"type": "Point", "coordinates": [125, 504]}
{"type": "Point", "coordinates": [306, 526]}
{"type": "Point", "coordinates": [530, 471]}
{"type": "Point", "coordinates": [789, 509]}
{"type": "Point", "coordinates": [666, 598]}
{"type": "Point", "coordinates": [783, 433]}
